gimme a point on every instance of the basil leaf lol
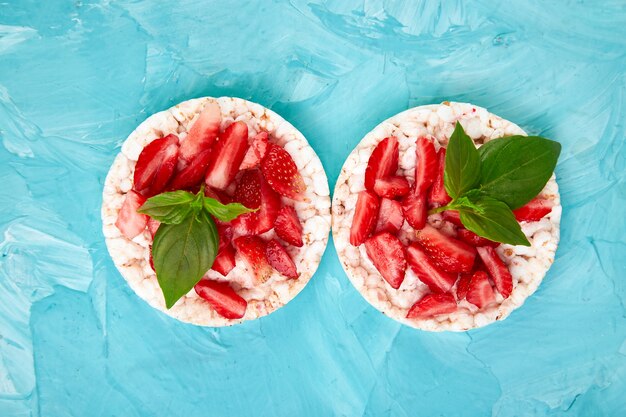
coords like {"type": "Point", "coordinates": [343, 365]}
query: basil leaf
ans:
{"type": "Point", "coordinates": [169, 208]}
{"type": "Point", "coordinates": [462, 171]}
{"type": "Point", "coordinates": [183, 253]}
{"type": "Point", "coordinates": [516, 168]}
{"type": "Point", "coordinates": [225, 212]}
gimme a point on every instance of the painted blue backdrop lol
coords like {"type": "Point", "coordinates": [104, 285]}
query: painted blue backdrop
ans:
{"type": "Point", "coordinates": [76, 77]}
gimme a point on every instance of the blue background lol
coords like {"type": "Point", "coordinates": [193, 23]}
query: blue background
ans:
{"type": "Point", "coordinates": [76, 77]}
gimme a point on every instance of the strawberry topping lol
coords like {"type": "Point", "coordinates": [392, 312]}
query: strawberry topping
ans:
{"type": "Point", "coordinates": [222, 298]}
{"type": "Point", "coordinates": [129, 221]}
{"type": "Point", "coordinates": [425, 165]}
{"type": "Point", "coordinates": [153, 226]}
{"type": "Point", "coordinates": [253, 192]}
{"type": "Point", "coordinates": [227, 155]}
{"type": "Point", "coordinates": [202, 133]}
{"type": "Point", "coordinates": [386, 253]}
{"type": "Point", "coordinates": [473, 239]}
{"type": "Point", "coordinates": [281, 173]}
{"type": "Point", "coordinates": [225, 260]}
{"type": "Point", "coordinates": [479, 291]}
{"type": "Point", "coordinates": [365, 217]}
{"type": "Point", "coordinates": [390, 217]}
{"type": "Point", "coordinates": [287, 226]}
{"type": "Point", "coordinates": [192, 175]}
{"type": "Point", "coordinates": [415, 211]}
{"type": "Point", "coordinates": [534, 210]}
{"type": "Point", "coordinates": [497, 269]}
{"type": "Point", "coordinates": [256, 151]}
{"type": "Point", "coordinates": [155, 165]}
{"type": "Point", "coordinates": [252, 252]}
{"type": "Point", "coordinates": [383, 162]}
{"type": "Point", "coordinates": [432, 305]}
{"type": "Point", "coordinates": [426, 270]}
{"type": "Point", "coordinates": [391, 187]}
{"type": "Point", "coordinates": [438, 195]}
{"type": "Point", "coordinates": [448, 253]}
{"type": "Point", "coordinates": [453, 217]}
{"type": "Point", "coordinates": [462, 286]}
{"type": "Point", "coordinates": [280, 260]}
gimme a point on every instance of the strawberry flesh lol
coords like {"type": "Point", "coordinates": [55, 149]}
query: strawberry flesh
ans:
{"type": "Point", "coordinates": [252, 252]}
{"type": "Point", "coordinates": [438, 195]}
{"type": "Point", "coordinates": [131, 223]}
{"type": "Point", "coordinates": [462, 286]}
{"type": "Point", "coordinates": [365, 217]}
{"type": "Point", "coordinates": [473, 239]}
{"type": "Point", "coordinates": [448, 253]}
{"type": "Point", "coordinates": [281, 173]}
{"type": "Point", "coordinates": [155, 166]}
{"type": "Point", "coordinates": [453, 217]}
{"type": "Point", "coordinates": [497, 269]}
{"type": "Point", "coordinates": [383, 162]}
{"type": "Point", "coordinates": [287, 226]}
{"type": "Point", "coordinates": [256, 151]}
{"type": "Point", "coordinates": [225, 260]}
{"type": "Point", "coordinates": [534, 210]}
{"type": "Point", "coordinates": [202, 133]}
{"type": "Point", "coordinates": [426, 270]}
{"type": "Point", "coordinates": [192, 175]}
{"type": "Point", "coordinates": [153, 226]}
{"type": "Point", "coordinates": [222, 298]}
{"type": "Point", "coordinates": [390, 217]}
{"type": "Point", "coordinates": [387, 254]}
{"type": "Point", "coordinates": [479, 292]}
{"type": "Point", "coordinates": [415, 211]}
{"type": "Point", "coordinates": [227, 155]}
{"type": "Point", "coordinates": [253, 192]}
{"type": "Point", "coordinates": [280, 260]}
{"type": "Point", "coordinates": [225, 234]}
{"type": "Point", "coordinates": [425, 165]}
{"type": "Point", "coordinates": [432, 305]}
{"type": "Point", "coordinates": [392, 187]}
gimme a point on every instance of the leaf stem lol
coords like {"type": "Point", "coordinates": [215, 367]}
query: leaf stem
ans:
{"type": "Point", "coordinates": [436, 210]}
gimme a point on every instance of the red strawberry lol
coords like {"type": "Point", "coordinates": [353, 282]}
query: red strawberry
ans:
{"type": "Point", "coordinates": [252, 252]}
{"type": "Point", "coordinates": [391, 187]}
{"type": "Point", "coordinates": [253, 192]}
{"type": "Point", "coordinates": [462, 286]}
{"type": "Point", "coordinates": [282, 173]}
{"type": "Point", "coordinates": [473, 239]}
{"type": "Point", "coordinates": [390, 217]}
{"type": "Point", "coordinates": [202, 133]}
{"type": "Point", "coordinates": [426, 270]}
{"type": "Point", "coordinates": [497, 269]}
{"type": "Point", "coordinates": [287, 226]}
{"type": "Point", "coordinates": [155, 165]}
{"type": "Point", "coordinates": [365, 216]}
{"type": "Point", "coordinates": [227, 155]}
{"type": "Point", "coordinates": [414, 209]}
{"type": "Point", "coordinates": [383, 162]}
{"type": "Point", "coordinates": [387, 254]}
{"type": "Point", "coordinates": [280, 260]}
{"type": "Point", "coordinates": [225, 260]}
{"type": "Point", "coordinates": [129, 221]}
{"type": "Point", "coordinates": [218, 195]}
{"type": "Point", "coordinates": [225, 234]}
{"type": "Point", "coordinates": [448, 253]}
{"type": "Point", "coordinates": [153, 226]}
{"type": "Point", "coordinates": [192, 175]}
{"type": "Point", "coordinates": [534, 210]}
{"type": "Point", "coordinates": [222, 298]}
{"type": "Point", "coordinates": [425, 165]}
{"type": "Point", "coordinates": [479, 291]}
{"type": "Point", "coordinates": [453, 217]}
{"type": "Point", "coordinates": [432, 305]}
{"type": "Point", "coordinates": [256, 151]}
{"type": "Point", "coordinates": [438, 195]}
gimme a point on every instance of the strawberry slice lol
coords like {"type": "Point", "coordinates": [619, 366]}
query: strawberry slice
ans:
{"type": "Point", "coordinates": [383, 162]}
{"type": "Point", "coordinates": [534, 210]}
{"type": "Point", "coordinates": [252, 252]}
{"type": "Point", "coordinates": [453, 217]}
{"type": "Point", "coordinates": [448, 253]}
{"type": "Point", "coordinates": [129, 221]}
{"type": "Point", "coordinates": [227, 155]}
{"type": "Point", "coordinates": [497, 269]}
{"type": "Point", "coordinates": [432, 305]}
{"type": "Point", "coordinates": [155, 165]}
{"type": "Point", "coordinates": [473, 239]}
{"type": "Point", "coordinates": [438, 195]}
{"type": "Point", "coordinates": [414, 209]}
{"type": "Point", "coordinates": [225, 260]}
{"type": "Point", "coordinates": [256, 152]}
{"type": "Point", "coordinates": [218, 195]}
{"type": "Point", "coordinates": [391, 187]}
{"type": "Point", "coordinates": [253, 192]}
{"type": "Point", "coordinates": [225, 234]}
{"type": "Point", "coordinates": [222, 298]}
{"type": "Point", "coordinates": [426, 270]}
{"type": "Point", "coordinates": [390, 217]}
{"type": "Point", "coordinates": [201, 134]}
{"type": "Point", "coordinates": [386, 253]}
{"type": "Point", "coordinates": [281, 173]}
{"type": "Point", "coordinates": [153, 226]}
{"type": "Point", "coordinates": [280, 260]}
{"type": "Point", "coordinates": [462, 286]}
{"type": "Point", "coordinates": [479, 291]}
{"type": "Point", "coordinates": [192, 175]}
{"type": "Point", "coordinates": [425, 165]}
{"type": "Point", "coordinates": [287, 226]}
{"type": "Point", "coordinates": [365, 216]}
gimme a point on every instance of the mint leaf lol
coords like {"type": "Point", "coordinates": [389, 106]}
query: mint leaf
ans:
{"type": "Point", "coordinates": [169, 208]}
{"type": "Point", "coordinates": [462, 171]}
{"type": "Point", "coordinates": [225, 212]}
{"type": "Point", "coordinates": [516, 168]}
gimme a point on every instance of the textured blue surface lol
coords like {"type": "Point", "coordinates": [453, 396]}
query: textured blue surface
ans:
{"type": "Point", "coordinates": [76, 77]}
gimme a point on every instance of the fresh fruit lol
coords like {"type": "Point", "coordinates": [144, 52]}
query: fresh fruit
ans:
{"type": "Point", "coordinates": [225, 260]}
{"type": "Point", "coordinates": [129, 221]}
{"type": "Point", "coordinates": [453, 217]}
{"type": "Point", "coordinates": [414, 209]}
{"type": "Point", "coordinates": [287, 226]}
{"type": "Point", "coordinates": [226, 156]}
{"type": "Point", "coordinates": [202, 133]}
{"type": "Point", "coordinates": [252, 252]}
{"type": "Point", "coordinates": [225, 235]}
{"type": "Point", "coordinates": [479, 291]}
{"type": "Point", "coordinates": [497, 269]}
{"type": "Point", "coordinates": [432, 305]}
{"type": "Point", "coordinates": [386, 253]}
{"type": "Point", "coordinates": [473, 239]}
{"type": "Point", "coordinates": [155, 165]}
{"type": "Point", "coordinates": [391, 187]}
{"type": "Point", "coordinates": [448, 253]}
{"type": "Point", "coordinates": [218, 195]}
{"type": "Point", "coordinates": [256, 151]}
{"type": "Point", "coordinates": [222, 298]}
{"type": "Point", "coordinates": [534, 210]}
{"type": "Point", "coordinates": [253, 192]}
{"type": "Point", "coordinates": [193, 173]}
{"type": "Point", "coordinates": [438, 195]}
{"type": "Point", "coordinates": [280, 260]}
{"type": "Point", "coordinates": [365, 217]}
{"type": "Point", "coordinates": [153, 226]}
{"type": "Point", "coordinates": [281, 173]}
{"type": "Point", "coordinates": [383, 162]}
{"type": "Point", "coordinates": [462, 286]}
{"type": "Point", "coordinates": [390, 217]}
{"type": "Point", "coordinates": [426, 270]}
{"type": "Point", "coordinates": [425, 165]}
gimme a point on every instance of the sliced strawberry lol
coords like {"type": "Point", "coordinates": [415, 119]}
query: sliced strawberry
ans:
{"type": "Point", "coordinates": [155, 165]}
{"type": "Point", "coordinates": [254, 192]}
{"type": "Point", "coordinates": [415, 211]}
{"type": "Point", "coordinates": [383, 162]}
{"type": "Point", "coordinates": [225, 234]}
{"type": "Point", "coordinates": [202, 133]}
{"type": "Point", "coordinates": [280, 260]}
{"type": "Point", "coordinates": [497, 269]}
{"type": "Point", "coordinates": [218, 195]}
{"type": "Point", "coordinates": [153, 226]}
{"type": "Point", "coordinates": [432, 305]}
{"type": "Point", "coordinates": [222, 298]}
{"type": "Point", "coordinates": [438, 195]}
{"type": "Point", "coordinates": [448, 253]}
{"type": "Point", "coordinates": [426, 270]}
{"type": "Point", "coordinates": [282, 173]}
{"type": "Point", "coordinates": [287, 226]}
{"type": "Point", "coordinates": [425, 165]}
{"type": "Point", "coordinates": [225, 260]}
{"type": "Point", "coordinates": [193, 173]}
{"type": "Point", "coordinates": [534, 210]}
{"type": "Point", "coordinates": [453, 217]}
{"type": "Point", "coordinates": [387, 254]}
{"type": "Point", "coordinates": [252, 252]}
{"type": "Point", "coordinates": [390, 217]}
{"type": "Point", "coordinates": [256, 151]}
{"type": "Point", "coordinates": [227, 155]}
{"type": "Point", "coordinates": [129, 221]}
{"type": "Point", "coordinates": [462, 286]}
{"type": "Point", "coordinates": [479, 291]}
{"type": "Point", "coordinates": [473, 239]}
{"type": "Point", "coordinates": [365, 217]}
{"type": "Point", "coordinates": [391, 187]}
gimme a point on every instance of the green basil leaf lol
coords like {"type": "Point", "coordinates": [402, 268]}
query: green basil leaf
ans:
{"type": "Point", "coordinates": [462, 171]}
{"type": "Point", "coordinates": [183, 253]}
{"type": "Point", "coordinates": [169, 208]}
{"type": "Point", "coordinates": [516, 168]}
{"type": "Point", "coordinates": [225, 212]}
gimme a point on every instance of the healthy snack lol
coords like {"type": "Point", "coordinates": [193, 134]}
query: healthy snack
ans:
{"type": "Point", "coordinates": [216, 211]}
{"type": "Point", "coordinates": [446, 217]}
